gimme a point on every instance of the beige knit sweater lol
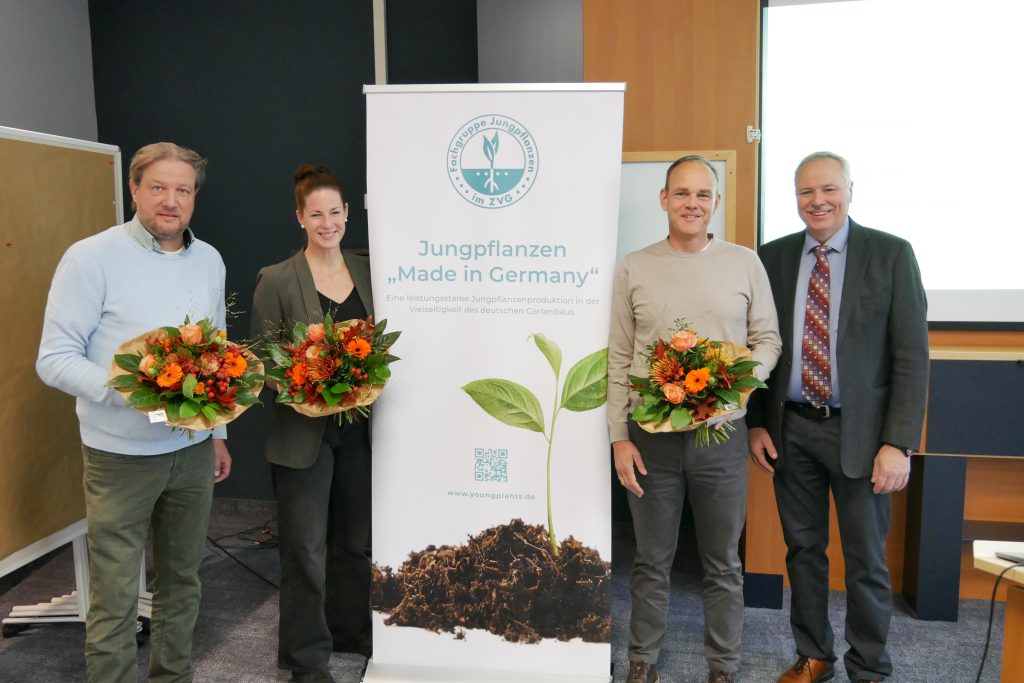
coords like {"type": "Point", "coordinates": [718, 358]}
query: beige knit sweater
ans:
{"type": "Point", "coordinates": [722, 292]}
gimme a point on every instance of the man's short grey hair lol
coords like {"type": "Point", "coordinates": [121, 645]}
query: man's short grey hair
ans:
{"type": "Point", "coordinates": [692, 157]}
{"type": "Point", "coordinates": [816, 156]}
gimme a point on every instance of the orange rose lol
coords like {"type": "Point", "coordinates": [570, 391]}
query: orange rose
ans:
{"type": "Point", "coordinates": [313, 352]}
{"type": "Point", "coordinates": [674, 393]}
{"type": "Point", "coordinates": [146, 365]}
{"type": "Point", "coordinates": [191, 334]}
{"type": "Point", "coordinates": [315, 332]}
{"type": "Point", "coordinates": [209, 364]}
{"type": "Point", "coordinates": [683, 340]}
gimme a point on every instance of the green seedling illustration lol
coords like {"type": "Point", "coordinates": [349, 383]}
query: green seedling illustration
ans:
{"type": "Point", "coordinates": [585, 388]}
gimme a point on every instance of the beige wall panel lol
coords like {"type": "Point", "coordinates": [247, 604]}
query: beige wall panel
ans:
{"type": "Point", "coordinates": [49, 197]}
{"type": "Point", "coordinates": [690, 68]}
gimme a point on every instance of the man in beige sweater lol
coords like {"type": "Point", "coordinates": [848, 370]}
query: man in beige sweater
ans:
{"type": "Point", "coordinates": [722, 291]}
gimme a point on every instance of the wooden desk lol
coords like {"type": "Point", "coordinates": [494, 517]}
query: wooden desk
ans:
{"type": "Point", "coordinates": [1013, 630]}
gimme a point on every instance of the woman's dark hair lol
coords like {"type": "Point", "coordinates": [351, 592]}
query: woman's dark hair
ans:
{"type": "Point", "coordinates": [309, 179]}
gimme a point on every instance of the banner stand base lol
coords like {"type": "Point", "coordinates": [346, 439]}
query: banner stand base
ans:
{"type": "Point", "coordinates": [408, 673]}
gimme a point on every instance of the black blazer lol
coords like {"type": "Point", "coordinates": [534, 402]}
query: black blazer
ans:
{"type": "Point", "coordinates": [285, 293]}
{"type": "Point", "coordinates": [881, 350]}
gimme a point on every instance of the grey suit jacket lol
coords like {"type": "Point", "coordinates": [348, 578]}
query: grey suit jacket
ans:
{"type": "Point", "coordinates": [285, 293]}
{"type": "Point", "coordinates": [881, 350]}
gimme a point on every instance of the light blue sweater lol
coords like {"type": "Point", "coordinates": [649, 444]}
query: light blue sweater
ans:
{"type": "Point", "coordinates": [108, 289]}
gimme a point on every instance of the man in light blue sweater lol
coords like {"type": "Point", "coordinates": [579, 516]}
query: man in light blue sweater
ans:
{"type": "Point", "coordinates": [109, 288]}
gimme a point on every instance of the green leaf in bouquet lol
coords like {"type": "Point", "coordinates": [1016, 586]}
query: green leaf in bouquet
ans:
{"type": "Point", "coordinates": [188, 386]}
{"type": "Point", "coordinates": [739, 367]}
{"type": "Point", "coordinates": [375, 360]}
{"type": "Point", "coordinates": [388, 358]}
{"type": "Point", "coordinates": [749, 382]}
{"type": "Point", "coordinates": [189, 408]}
{"type": "Point", "coordinates": [299, 397]}
{"type": "Point", "coordinates": [172, 332]}
{"type": "Point", "coordinates": [586, 384]}
{"type": "Point", "coordinates": [508, 402]}
{"type": "Point", "coordinates": [128, 361]}
{"type": "Point", "coordinates": [680, 417]}
{"type": "Point", "coordinates": [279, 356]}
{"type": "Point", "coordinates": [330, 398]}
{"type": "Point", "coordinates": [380, 326]}
{"type": "Point", "coordinates": [728, 396]}
{"type": "Point", "coordinates": [650, 412]}
{"type": "Point", "coordinates": [173, 410]}
{"type": "Point", "coordinates": [276, 374]}
{"type": "Point", "coordinates": [245, 398]}
{"type": "Point", "coordinates": [143, 398]}
{"type": "Point", "coordinates": [379, 375]}
{"type": "Point", "coordinates": [340, 388]}
{"type": "Point", "coordinates": [641, 382]}
{"type": "Point", "coordinates": [299, 332]}
{"type": "Point", "coordinates": [550, 350]}
{"type": "Point", "coordinates": [386, 341]}
{"type": "Point", "coordinates": [209, 412]}
{"type": "Point", "coordinates": [329, 327]}
{"type": "Point", "coordinates": [124, 382]}
{"type": "Point", "coordinates": [283, 397]}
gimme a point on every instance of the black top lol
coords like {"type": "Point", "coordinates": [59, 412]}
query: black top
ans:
{"type": "Point", "coordinates": [348, 309]}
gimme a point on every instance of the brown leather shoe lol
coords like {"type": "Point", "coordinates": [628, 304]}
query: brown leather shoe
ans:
{"type": "Point", "coordinates": [721, 677]}
{"type": "Point", "coordinates": [807, 670]}
{"type": "Point", "coordinates": [642, 672]}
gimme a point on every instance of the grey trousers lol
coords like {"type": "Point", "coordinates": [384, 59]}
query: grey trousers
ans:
{"type": "Point", "coordinates": [715, 479]}
{"type": "Point", "coordinates": [808, 469]}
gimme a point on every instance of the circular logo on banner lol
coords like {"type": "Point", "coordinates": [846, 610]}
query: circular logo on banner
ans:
{"type": "Point", "coordinates": [492, 161]}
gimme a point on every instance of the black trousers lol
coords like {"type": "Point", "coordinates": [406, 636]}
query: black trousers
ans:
{"type": "Point", "coordinates": [808, 469]}
{"type": "Point", "coordinates": [324, 529]}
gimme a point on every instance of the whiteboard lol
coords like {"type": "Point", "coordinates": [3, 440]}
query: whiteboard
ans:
{"type": "Point", "coordinates": [641, 219]}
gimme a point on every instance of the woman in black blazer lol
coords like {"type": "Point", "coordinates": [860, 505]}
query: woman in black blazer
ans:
{"type": "Point", "coordinates": [320, 470]}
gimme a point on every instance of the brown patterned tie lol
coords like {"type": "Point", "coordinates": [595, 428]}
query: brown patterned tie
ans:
{"type": "Point", "coordinates": [816, 364]}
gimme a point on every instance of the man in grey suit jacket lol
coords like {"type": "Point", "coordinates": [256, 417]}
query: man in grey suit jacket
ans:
{"type": "Point", "coordinates": [854, 439]}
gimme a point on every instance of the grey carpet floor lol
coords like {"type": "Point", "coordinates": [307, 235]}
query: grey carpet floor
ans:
{"type": "Point", "coordinates": [235, 640]}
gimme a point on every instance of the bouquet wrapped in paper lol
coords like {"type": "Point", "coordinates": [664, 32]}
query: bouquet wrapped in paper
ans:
{"type": "Point", "coordinates": [333, 367]}
{"type": "Point", "coordinates": [693, 383]}
{"type": "Point", "coordinates": [192, 373]}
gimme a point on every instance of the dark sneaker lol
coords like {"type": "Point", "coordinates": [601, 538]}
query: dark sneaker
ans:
{"type": "Point", "coordinates": [721, 677]}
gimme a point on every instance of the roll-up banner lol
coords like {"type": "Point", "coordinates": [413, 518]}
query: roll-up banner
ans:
{"type": "Point", "coordinates": [492, 221]}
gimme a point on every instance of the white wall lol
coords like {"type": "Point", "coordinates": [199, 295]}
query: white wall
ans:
{"type": "Point", "coordinates": [46, 67]}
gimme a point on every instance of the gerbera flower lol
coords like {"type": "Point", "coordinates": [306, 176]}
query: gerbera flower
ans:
{"type": "Point", "coordinates": [358, 348]}
{"type": "Point", "coordinates": [696, 380]}
{"type": "Point", "coordinates": [665, 371]}
{"type": "Point", "coordinates": [235, 364]}
{"type": "Point", "coordinates": [170, 375]}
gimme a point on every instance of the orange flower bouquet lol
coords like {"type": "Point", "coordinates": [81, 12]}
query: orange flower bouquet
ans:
{"type": "Point", "coordinates": [331, 367]}
{"type": "Point", "coordinates": [693, 383]}
{"type": "Point", "coordinates": [191, 372]}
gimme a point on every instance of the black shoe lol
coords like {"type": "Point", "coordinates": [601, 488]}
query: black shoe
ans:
{"type": "Point", "coordinates": [359, 648]}
{"type": "Point", "coordinates": [321, 674]}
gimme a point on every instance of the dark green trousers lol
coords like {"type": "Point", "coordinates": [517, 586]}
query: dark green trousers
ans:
{"type": "Point", "coordinates": [126, 496]}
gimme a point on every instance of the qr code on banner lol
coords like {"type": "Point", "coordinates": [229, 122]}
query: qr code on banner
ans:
{"type": "Point", "coordinates": [491, 464]}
